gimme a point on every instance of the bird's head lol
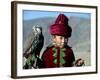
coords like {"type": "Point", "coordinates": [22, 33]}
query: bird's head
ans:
{"type": "Point", "coordinates": [37, 29]}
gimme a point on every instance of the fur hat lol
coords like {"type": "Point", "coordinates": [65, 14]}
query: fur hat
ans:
{"type": "Point", "coordinates": [61, 27]}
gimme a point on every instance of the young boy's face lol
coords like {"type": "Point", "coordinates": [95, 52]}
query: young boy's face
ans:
{"type": "Point", "coordinates": [59, 41]}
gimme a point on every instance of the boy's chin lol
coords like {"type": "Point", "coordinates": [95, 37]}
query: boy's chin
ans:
{"type": "Point", "coordinates": [58, 45]}
{"type": "Point", "coordinates": [61, 46]}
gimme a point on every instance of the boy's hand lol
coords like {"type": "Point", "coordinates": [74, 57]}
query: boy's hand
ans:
{"type": "Point", "coordinates": [79, 62]}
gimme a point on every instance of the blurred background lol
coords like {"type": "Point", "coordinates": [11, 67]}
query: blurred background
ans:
{"type": "Point", "coordinates": [79, 22]}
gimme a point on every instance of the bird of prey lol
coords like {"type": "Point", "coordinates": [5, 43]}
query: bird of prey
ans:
{"type": "Point", "coordinates": [33, 46]}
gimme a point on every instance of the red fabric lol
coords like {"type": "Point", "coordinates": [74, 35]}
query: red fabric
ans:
{"type": "Point", "coordinates": [48, 58]}
{"type": "Point", "coordinates": [60, 27]}
{"type": "Point", "coordinates": [61, 19]}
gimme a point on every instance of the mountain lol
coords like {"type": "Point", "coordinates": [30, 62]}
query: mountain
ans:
{"type": "Point", "coordinates": [80, 39]}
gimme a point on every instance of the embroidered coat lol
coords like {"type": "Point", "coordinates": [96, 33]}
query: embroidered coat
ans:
{"type": "Point", "coordinates": [58, 57]}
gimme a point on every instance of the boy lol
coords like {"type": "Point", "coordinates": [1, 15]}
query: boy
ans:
{"type": "Point", "coordinates": [59, 54]}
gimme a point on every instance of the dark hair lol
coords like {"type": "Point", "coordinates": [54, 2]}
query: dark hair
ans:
{"type": "Point", "coordinates": [69, 32]}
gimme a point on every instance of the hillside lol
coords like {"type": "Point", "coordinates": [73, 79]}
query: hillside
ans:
{"type": "Point", "coordinates": [79, 41]}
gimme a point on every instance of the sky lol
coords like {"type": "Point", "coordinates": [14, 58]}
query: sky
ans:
{"type": "Point", "coordinates": [29, 14]}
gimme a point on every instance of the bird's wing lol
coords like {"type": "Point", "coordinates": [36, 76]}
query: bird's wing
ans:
{"type": "Point", "coordinates": [28, 43]}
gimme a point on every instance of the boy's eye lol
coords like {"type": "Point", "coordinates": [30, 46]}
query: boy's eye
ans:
{"type": "Point", "coordinates": [61, 37]}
